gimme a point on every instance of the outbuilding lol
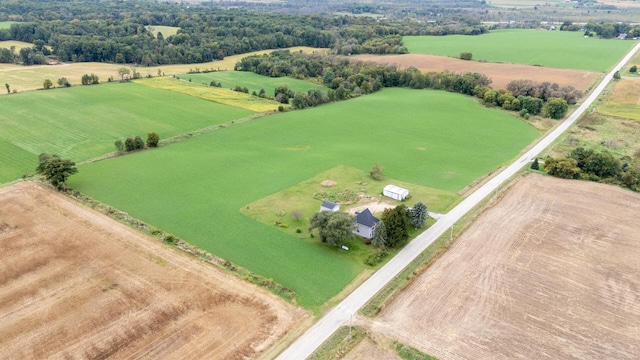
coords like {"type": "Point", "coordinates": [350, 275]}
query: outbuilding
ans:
{"type": "Point", "coordinates": [365, 224]}
{"type": "Point", "coordinates": [395, 192]}
{"type": "Point", "coordinates": [329, 206]}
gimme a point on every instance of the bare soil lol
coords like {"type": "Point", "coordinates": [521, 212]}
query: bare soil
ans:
{"type": "Point", "coordinates": [367, 349]}
{"type": "Point", "coordinates": [77, 284]}
{"type": "Point", "coordinates": [552, 271]}
{"type": "Point", "coordinates": [500, 74]}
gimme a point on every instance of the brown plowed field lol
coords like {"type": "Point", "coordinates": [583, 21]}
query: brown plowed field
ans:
{"type": "Point", "coordinates": [552, 271]}
{"type": "Point", "coordinates": [500, 74]}
{"type": "Point", "coordinates": [76, 284]}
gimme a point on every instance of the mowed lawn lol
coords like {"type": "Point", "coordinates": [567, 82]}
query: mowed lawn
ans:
{"type": "Point", "coordinates": [83, 122]}
{"type": "Point", "coordinates": [559, 49]}
{"type": "Point", "coordinates": [196, 188]}
{"type": "Point", "coordinates": [252, 81]}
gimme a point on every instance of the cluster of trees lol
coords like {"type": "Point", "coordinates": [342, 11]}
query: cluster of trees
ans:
{"type": "Point", "coordinates": [587, 164]}
{"type": "Point", "coordinates": [611, 30]}
{"type": "Point", "coordinates": [55, 170]}
{"type": "Point", "coordinates": [531, 98]}
{"type": "Point", "coordinates": [392, 230]}
{"type": "Point", "coordinates": [136, 143]}
{"type": "Point", "coordinates": [346, 79]}
{"type": "Point", "coordinates": [90, 79]}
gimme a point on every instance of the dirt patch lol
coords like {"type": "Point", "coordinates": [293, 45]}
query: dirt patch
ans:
{"type": "Point", "coordinates": [76, 284]}
{"type": "Point", "coordinates": [500, 74]}
{"type": "Point", "coordinates": [328, 183]}
{"type": "Point", "coordinates": [367, 349]}
{"type": "Point", "coordinates": [551, 271]}
{"type": "Point", "coordinates": [375, 205]}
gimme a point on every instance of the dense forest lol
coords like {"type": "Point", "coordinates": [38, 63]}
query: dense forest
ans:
{"type": "Point", "coordinates": [116, 32]}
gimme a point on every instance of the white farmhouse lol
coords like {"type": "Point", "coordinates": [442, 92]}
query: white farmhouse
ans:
{"type": "Point", "coordinates": [365, 224]}
{"type": "Point", "coordinates": [395, 192]}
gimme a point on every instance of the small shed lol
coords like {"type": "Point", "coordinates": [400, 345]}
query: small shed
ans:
{"type": "Point", "coordinates": [329, 206]}
{"type": "Point", "coordinates": [365, 224]}
{"type": "Point", "coordinates": [395, 192]}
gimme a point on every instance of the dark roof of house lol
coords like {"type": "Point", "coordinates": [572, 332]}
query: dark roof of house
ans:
{"type": "Point", "coordinates": [328, 204]}
{"type": "Point", "coordinates": [366, 218]}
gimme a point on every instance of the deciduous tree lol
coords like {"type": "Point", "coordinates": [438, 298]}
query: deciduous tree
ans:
{"type": "Point", "coordinates": [54, 169]}
{"type": "Point", "coordinates": [333, 227]}
{"type": "Point", "coordinates": [153, 139]}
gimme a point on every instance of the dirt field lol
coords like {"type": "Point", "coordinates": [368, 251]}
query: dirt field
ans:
{"type": "Point", "coordinates": [501, 74]}
{"type": "Point", "coordinates": [367, 349]}
{"type": "Point", "coordinates": [76, 284]}
{"type": "Point", "coordinates": [550, 272]}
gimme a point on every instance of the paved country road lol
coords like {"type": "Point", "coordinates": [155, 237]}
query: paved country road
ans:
{"type": "Point", "coordinates": [340, 315]}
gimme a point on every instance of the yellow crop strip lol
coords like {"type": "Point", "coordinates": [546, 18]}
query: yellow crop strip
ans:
{"type": "Point", "coordinates": [215, 94]}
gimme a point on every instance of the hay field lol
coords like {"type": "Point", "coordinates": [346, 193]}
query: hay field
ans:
{"type": "Point", "coordinates": [17, 44]}
{"type": "Point", "coordinates": [76, 284]}
{"type": "Point", "coordinates": [623, 100]}
{"type": "Point", "coordinates": [165, 30]}
{"type": "Point", "coordinates": [25, 78]}
{"type": "Point", "coordinates": [551, 271]}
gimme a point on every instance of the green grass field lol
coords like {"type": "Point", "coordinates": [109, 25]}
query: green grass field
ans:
{"type": "Point", "coordinates": [559, 49]}
{"type": "Point", "coordinates": [6, 24]}
{"type": "Point", "coordinates": [165, 30]}
{"type": "Point", "coordinates": [252, 81]}
{"type": "Point", "coordinates": [83, 122]}
{"type": "Point", "coordinates": [195, 189]}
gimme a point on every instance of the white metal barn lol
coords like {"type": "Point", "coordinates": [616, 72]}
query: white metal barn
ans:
{"type": "Point", "coordinates": [395, 192]}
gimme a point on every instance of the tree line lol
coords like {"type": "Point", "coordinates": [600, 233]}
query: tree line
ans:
{"type": "Point", "coordinates": [588, 164]}
{"type": "Point", "coordinates": [347, 79]}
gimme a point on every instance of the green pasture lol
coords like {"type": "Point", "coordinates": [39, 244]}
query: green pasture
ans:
{"type": "Point", "coordinates": [197, 188]}
{"type": "Point", "coordinates": [558, 49]}
{"type": "Point", "coordinates": [165, 30]}
{"type": "Point", "coordinates": [83, 122]}
{"type": "Point", "coordinates": [252, 81]}
{"type": "Point", "coordinates": [6, 24]}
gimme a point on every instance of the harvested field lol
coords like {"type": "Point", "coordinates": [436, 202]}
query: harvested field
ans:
{"type": "Point", "coordinates": [550, 272]}
{"type": "Point", "coordinates": [76, 284]}
{"type": "Point", "coordinates": [368, 349]}
{"type": "Point", "coordinates": [500, 74]}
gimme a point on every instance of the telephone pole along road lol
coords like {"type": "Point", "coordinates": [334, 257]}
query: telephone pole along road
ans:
{"type": "Point", "coordinates": [340, 315]}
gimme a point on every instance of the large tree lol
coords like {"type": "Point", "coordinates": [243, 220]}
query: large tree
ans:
{"type": "Point", "coordinates": [54, 169]}
{"type": "Point", "coordinates": [555, 108]}
{"type": "Point", "coordinates": [333, 227]}
{"type": "Point", "coordinates": [419, 215]}
{"type": "Point", "coordinates": [397, 223]}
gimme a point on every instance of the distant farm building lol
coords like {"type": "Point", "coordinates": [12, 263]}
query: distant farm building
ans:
{"type": "Point", "coordinates": [365, 224]}
{"type": "Point", "coordinates": [329, 206]}
{"type": "Point", "coordinates": [395, 192]}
